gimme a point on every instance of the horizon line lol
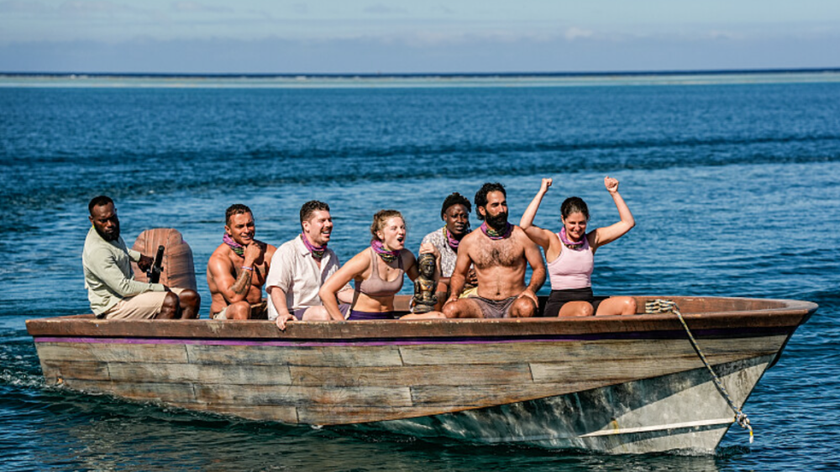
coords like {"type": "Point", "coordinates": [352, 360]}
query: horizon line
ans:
{"type": "Point", "coordinates": [670, 72]}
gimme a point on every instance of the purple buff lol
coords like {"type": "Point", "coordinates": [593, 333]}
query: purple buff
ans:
{"type": "Point", "coordinates": [568, 242]}
{"type": "Point", "coordinates": [386, 255]}
{"type": "Point", "coordinates": [453, 243]}
{"type": "Point", "coordinates": [496, 235]}
{"type": "Point", "coordinates": [317, 251]}
{"type": "Point", "coordinates": [237, 248]}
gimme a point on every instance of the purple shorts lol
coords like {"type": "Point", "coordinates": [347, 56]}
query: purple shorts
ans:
{"type": "Point", "coordinates": [356, 315]}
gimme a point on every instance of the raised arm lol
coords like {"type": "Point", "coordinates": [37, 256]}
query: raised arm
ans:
{"type": "Point", "coordinates": [353, 268]}
{"type": "Point", "coordinates": [538, 235]}
{"type": "Point", "coordinates": [611, 233]}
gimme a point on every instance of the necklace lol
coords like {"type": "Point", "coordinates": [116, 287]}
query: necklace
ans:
{"type": "Point", "coordinates": [453, 243]}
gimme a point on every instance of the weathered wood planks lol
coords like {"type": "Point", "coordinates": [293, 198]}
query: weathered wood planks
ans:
{"type": "Point", "coordinates": [350, 372]}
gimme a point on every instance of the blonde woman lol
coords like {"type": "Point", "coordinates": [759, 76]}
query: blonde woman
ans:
{"type": "Point", "coordinates": [378, 272]}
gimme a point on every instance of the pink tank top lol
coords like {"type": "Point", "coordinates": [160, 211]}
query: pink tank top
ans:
{"type": "Point", "coordinates": [572, 269]}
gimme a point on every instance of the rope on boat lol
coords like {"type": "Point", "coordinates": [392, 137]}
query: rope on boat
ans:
{"type": "Point", "coordinates": [668, 306]}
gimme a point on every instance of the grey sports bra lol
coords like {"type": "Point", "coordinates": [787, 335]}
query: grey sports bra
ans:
{"type": "Point", "coordinates": [374, 286]}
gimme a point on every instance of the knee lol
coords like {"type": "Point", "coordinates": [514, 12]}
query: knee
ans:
{"type": "Point", "coordinates": [451, 310]}
{"type": "Point", "coordinates": [239, 311]}
{"type": "Point", "coordinates": [523, 308]}
{"type": "Point", "coordinates": [585, 309]}
{"type": "Point", "coordinates": [629, 306]}
{"type": "Point", "coordinates": [170, 300]}
{"type": "Point", "coordinates": [317, 313]}
{"type": "Point", "coordinates": [189, 297]}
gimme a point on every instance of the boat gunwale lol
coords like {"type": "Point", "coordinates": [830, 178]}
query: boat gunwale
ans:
{"type": "Point", "coordinates": [787, 316]}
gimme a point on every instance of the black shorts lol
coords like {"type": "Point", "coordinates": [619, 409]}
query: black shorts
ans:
{"type": "Point", "coordinates": [558, 298]}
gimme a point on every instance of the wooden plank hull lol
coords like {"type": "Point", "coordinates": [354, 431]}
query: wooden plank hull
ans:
{"type": "Point", "coordinates": [613, 384]}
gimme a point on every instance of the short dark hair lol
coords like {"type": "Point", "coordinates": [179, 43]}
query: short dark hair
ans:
{"type": "Point", "coordinates": [481, 195]}
{"type": "Point", "coordinates": [574, 205]}
{"type": "Point", "coordinates": [455, 199]}
{"type": "Point", "coordinates": [236, 209]}
{"type": "Point", "coordinates": [101, 200]}
{"type": "Point", "coordinates": [311, 207]}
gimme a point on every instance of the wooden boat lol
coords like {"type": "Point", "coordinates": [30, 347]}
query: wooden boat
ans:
{"type": "Point", "coordinates": [629, 384]}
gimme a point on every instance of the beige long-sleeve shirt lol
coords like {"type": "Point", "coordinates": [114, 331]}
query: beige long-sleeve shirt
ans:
{"type": "Point", "coordinates": [108, 274]}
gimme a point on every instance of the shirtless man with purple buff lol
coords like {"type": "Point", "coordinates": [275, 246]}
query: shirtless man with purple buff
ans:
{"type": "Point", "coordinates": [237, 269]}
{"type": "Point", "coordinates": [499, 251]}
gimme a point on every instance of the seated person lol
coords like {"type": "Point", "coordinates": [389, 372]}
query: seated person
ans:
{"type": "Point", "coordinates": [571, 255]}
{"type": "Point", "coordinates": [112, 290]}
{"type": "Point", "coordinates": [500, 252]}
{"type": "Point", "coordinates": [378, 272]}
{"type": "Point", "coordinates": [237, 269]}
{"type": "Point", "coordinates": [300, 267]}
{"type": "Point", "coordinates": [456, 215]}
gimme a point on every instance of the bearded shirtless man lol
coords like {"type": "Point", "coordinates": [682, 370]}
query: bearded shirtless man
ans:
{"type": "Point", "coordinates": [237, 269]}
{"type": "Point", "coordinates": [499, 251]}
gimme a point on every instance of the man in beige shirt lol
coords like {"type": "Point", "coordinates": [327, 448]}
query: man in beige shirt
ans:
{"type": "Point", "coordinates": [301, 266]}
{"type": "Point", "coordinates": [112, 290]}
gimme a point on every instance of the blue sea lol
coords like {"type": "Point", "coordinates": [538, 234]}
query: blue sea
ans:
{"type": "Point", "coordinates": [734, 182]}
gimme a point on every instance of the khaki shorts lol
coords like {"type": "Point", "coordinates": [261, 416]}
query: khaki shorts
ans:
{"type": "Point", "coordinates": [144, 306]}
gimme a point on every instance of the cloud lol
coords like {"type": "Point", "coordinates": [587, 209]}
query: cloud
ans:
{"type": "Point", "coordinates": [19, 6]}
{"type": "Point", "coordinates": [196, 7]}
{"type": "Point", "coordinates": [380, 9]}
{"type": "Point", "coordinates": [87, 10]}
{"type": "Point", "coordinates": [574, 33]}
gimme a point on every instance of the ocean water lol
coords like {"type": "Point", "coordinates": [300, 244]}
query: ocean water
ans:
{"type": "Point", "coordinates": [735, 188]}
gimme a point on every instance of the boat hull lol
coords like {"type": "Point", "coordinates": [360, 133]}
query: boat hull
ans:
{"type": "Point", "coordinates": [615, 384]}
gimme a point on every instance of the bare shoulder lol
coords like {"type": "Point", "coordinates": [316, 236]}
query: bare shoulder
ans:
{"type": "Point", "coordinates": [470, 239]}
{"type": "Point", "coordinates": [359, 261]}
{"type": "Point", "coordinates": [220, 260]}
{"type": "Point", "coordinates": [521, 237]}
{"type": "Point", "coordinates": [220, 255]}
{"type": "Point", "coordinates": [269, 251]}
{"type": "Point", "coordinates": [408, 258]}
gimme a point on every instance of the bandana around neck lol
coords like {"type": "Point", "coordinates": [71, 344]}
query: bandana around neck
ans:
{"type": "Point", "coordinates": [386, 255]}
{"type": "Point", "coordinates": [317, 251]}
{"type": "Point", "coordinates": [568, 242]}
{"type": "Point", "coordinates": [493, 234]}
{"type": "Point", "coordinates": [237, 248]}
{"type": "Point", "coordinates": [453, 243]}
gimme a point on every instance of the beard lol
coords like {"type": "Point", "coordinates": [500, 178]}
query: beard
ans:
{"type": "Point", "coordinates": [112, 236]}
{"type": "Point", "coordinates": [497, 222]}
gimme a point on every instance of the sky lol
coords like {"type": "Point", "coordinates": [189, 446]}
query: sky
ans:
{"type": "Point", "coordinates": [400, 36]}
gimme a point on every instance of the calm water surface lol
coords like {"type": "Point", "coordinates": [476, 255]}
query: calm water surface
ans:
{"type": "Point", "coordinates": [735, 189]}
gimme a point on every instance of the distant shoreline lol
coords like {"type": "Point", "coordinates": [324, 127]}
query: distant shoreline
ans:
{"type": "Point", "coordinates": [426, 75]}
{"type": "Point", "coordinates": [414, 80]}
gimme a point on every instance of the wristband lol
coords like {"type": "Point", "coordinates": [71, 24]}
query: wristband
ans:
{"type": "Point", "coordinates": [248, 268]}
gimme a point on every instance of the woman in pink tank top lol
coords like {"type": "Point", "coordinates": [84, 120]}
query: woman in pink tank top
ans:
{"type": "Point", "coordinates": [570, 254]}
{"type": "Point", "coordinates": [378, 272]}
